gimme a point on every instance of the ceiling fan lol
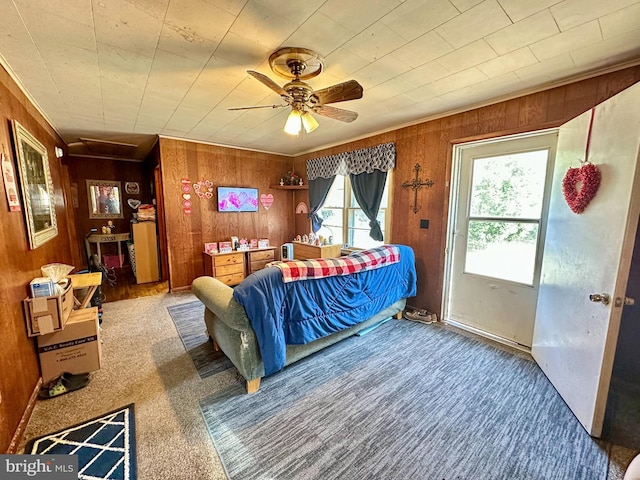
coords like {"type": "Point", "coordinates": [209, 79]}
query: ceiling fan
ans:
{"type": "Point", "coordinates": [298, 64]}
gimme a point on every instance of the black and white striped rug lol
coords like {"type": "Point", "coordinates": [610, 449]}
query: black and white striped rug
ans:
{"type": "Point", "coordinates": [407, 401]}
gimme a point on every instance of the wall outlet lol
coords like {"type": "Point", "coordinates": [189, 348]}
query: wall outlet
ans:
{"type": "Point", "coordinates": [424, 223]}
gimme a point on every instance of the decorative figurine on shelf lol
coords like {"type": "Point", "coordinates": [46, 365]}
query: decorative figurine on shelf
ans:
{"type": "Point", "coordinates": [281, 182]}
{"type": "Point", "coordinates": [298, 238]}
{"type": "Point", "coordinates": [305, 239]}
{"type": "Point", "coordinates": [312, 238]}
{"type": "Point", "coordinates": [301, 183]}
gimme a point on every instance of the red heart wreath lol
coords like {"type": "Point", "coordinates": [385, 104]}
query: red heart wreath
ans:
{"type": "Point", "coordinates": [589, 176]}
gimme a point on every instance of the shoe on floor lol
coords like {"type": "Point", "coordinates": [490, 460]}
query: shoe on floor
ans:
{"type": "Point", "coordinates": [421, 316]}
{"type": "Point", "coordinates": [62, 384]}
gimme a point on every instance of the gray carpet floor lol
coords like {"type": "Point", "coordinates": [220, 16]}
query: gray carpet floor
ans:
{"type": "Point", "coordinates": [189, 321]}
{"type": "Point", "coordinates": [145, 362]}
{"type": "Point", "coordinates": [377, 407]}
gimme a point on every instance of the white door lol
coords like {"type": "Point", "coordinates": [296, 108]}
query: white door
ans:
{"type": "Point", "coordinates": [575, 339]}
{"type": "Point", "coordinates": [499, 206]}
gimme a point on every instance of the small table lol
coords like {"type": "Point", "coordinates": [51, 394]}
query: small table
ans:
{"type": "Point", "coordinates": [81, 281]}
{"type": "Point", "coordinates": [99, 238]}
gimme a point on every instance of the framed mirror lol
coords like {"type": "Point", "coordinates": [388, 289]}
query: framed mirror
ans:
{"type": "Point", "coordinates": [105, 199]}
{"type": "Point", "coordinates": [36, 186]}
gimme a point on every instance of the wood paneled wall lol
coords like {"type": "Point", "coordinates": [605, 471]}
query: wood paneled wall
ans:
{"type": "Point", "coordinates": [19, 368]}
{"type": "Point", "coordinates": [82, 169]}
{"type": "Point", "coordinates": [430, 144]}
{"type": "Point", "coordinates": [187, 234]}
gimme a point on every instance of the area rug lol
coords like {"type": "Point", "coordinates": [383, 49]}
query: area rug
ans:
{"type": "Point", "coordinates": [105, 445]}
{"type": "Point", "coordinates": [189, 321]}
{"type": "Point", "coordinates": [406, 401]}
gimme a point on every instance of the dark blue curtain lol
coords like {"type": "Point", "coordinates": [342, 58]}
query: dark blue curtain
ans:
{"type": "Point", "coordinates": [318, 190]}
{"type": "Point", "coordinates": [368, 189]}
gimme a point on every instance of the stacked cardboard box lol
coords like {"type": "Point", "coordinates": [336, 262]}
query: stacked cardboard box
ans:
{"type": "Point", "coordinates": [75, 349]}
{"type": "Point", "coordinates": [48, 314]}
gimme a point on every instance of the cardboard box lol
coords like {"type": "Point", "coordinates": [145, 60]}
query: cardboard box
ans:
{"type": "Point", "coordinates": [76, 349]}
{"type": "Point", "coordinates": [47, 314]}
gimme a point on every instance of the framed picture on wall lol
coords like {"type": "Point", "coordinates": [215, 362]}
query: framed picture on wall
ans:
{"type": "Point", "coordinates": [105, 199]}
{"type": "Point", "coordinates": [36, 185]}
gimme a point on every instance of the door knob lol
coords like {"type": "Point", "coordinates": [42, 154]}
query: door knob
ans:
{"type": "Point", "coordinates": [602, 298]}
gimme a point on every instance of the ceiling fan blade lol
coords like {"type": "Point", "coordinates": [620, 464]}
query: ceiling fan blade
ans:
{"type": "Point", "coordinates": [270, 83]}
{"type": "Point", "coordinates": [257, 106]}
{"type": "Point", "coordinates": [336, 113]}
{"type": "Point", "coordinates": [341, 92]}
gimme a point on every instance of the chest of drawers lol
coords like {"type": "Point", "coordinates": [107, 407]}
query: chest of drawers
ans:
{"type": "Point", "coordinates": [227, 267]}
{"type": "Point", "coordinates": [257, 259]}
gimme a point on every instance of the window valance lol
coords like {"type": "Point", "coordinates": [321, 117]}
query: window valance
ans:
{"type": "Point", "coordinates": [381, 157]}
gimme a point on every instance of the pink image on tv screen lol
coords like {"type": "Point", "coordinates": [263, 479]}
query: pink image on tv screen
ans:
{"type": "Point", "coordinates": [237, 199]}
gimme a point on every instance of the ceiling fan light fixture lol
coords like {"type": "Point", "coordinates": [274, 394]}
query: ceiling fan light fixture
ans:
{"type": "Point", "coordinates": [294, 122]}
{"type": "Point", "coordinates": [309, 122]}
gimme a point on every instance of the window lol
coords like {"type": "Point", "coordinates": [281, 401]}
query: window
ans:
{"type": "Point", "coordinates": [344, 220]}
{"type": "Point", "coordinates": [505, 212]}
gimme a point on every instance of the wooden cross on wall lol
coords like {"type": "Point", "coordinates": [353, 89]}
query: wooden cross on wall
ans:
{"type": "Point", "coordinates": [416, 184]}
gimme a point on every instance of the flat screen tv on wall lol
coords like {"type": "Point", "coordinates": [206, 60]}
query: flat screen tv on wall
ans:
{"type": "Point", "coordinates": [237, 199]}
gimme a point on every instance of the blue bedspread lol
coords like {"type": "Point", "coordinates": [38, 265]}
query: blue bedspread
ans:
{"type": "Point", "coordinates": [299, 312]}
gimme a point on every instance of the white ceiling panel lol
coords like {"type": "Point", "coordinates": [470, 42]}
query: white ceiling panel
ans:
{"type": "Point", "coordinates": [571, 13]}
{"type": "Point", "coordinates": [380, 71]}
{"type": "Point", "coordinates": [520, 9]}
{"type": "Point", "coordinates": [234, 7]}
{"type": "Point", "coordinates": [414, 17]}
{"type": "Point", "coordinates": [525, 32]}
{"type": "Point", "coordinates": [194, 28]}
{"type": "Point", "coordinates": [468, 56]}
{"type": "Point", "coordinates": [464, 5]}
{"type": "Point", "coordinates": [320, 33]}
{"type": "Point", "coordinates": [356, 16]}
{"type": "Point", "coordinates": [610, 51]}
{"type": "Point", "coordinates": [510, 62]}
{"type": "Point", "coordinates": [134, 69]}
{"type": "Point", "coordinates": [121, 24]}
{"type": "Point", "coordinates": [267, 27]}
{"type": "Point", "coordinates": [447, 84]}
{"type": "Point", "coordinates": [478, 22]}
{"type": "Point", "coordinates": [620, 22]}
{"type": "Point", "coordinates": [576, 38]}
{"type": "Point", "coordinates": [75, 11]}
{"type": "Point", "coordinates": [423, 49]}
{"type": "Point", "coordinates": [561, 66]}
{"type": "Point", "coordinates": [375, 42]}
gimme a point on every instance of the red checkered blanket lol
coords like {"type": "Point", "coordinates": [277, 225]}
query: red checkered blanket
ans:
{"type": "Point", "coordinates": [327, 267]}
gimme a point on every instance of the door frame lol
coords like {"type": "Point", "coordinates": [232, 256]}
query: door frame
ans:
{"type": "Point", "coordinates": [454, 191]}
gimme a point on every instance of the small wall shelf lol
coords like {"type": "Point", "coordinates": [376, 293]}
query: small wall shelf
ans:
{"type": "Point", "coordinates": [289, 187]}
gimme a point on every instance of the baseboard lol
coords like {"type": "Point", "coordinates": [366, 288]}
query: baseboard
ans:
{"type": "Point", "coordinates": [487, 335]}
{"type": "Point", "coordinates": [26, 416]}
{"type": "Point", "coordinates": [180, 289]}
